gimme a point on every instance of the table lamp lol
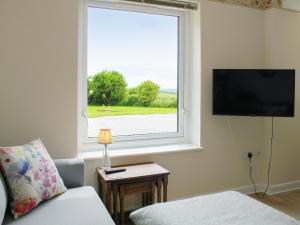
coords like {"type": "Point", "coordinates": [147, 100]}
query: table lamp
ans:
{"type": "Point", "coordinates": [105, 138]}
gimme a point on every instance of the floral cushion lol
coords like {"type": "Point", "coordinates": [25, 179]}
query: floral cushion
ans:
{"type": "Point", "coordinates": [31, 176]}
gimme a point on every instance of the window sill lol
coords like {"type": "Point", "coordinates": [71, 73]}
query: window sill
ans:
{"type": "Point", "coordinates": [117, 153]}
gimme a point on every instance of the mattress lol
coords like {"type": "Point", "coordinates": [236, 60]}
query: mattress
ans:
{"type": "Point", "coordinates": [226, 208]}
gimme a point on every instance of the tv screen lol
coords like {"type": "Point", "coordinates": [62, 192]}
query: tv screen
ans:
{"type": "Point", "coordinates": [253, 92]}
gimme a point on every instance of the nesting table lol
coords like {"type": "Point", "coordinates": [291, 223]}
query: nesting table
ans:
{"type": "Point", "coordinates": [148, 179]}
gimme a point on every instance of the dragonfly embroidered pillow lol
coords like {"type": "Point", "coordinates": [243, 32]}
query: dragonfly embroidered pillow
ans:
{"type": "Point", "coordinates": [31, 176]}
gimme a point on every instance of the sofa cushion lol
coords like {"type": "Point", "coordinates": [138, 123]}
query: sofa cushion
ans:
{"type": "Point", "coordinates": [78, 206]}
{"type": "Point", "coordinates": [3, 198]}
{"type": "Point", "coordinates": [31, 176]}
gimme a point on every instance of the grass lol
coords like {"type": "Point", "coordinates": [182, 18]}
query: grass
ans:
{"type": "Point", "coordinates": [161, 105]}
{"type": "Point", "coordinates": [99, 111]}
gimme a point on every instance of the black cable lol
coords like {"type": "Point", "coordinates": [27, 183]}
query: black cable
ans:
{"type": "Point", "coordinates": [269, 167]}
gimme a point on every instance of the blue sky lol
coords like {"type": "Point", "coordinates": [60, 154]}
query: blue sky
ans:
{"type": "Point", "coordinates": [141, 46]}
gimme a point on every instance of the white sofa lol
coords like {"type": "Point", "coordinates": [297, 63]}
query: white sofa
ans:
{"type": "Point", "coordinates": [79, 205]}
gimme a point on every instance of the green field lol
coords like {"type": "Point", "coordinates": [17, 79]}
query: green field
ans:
{"type": "Point", "coordinates": [165, 99]}
{"type": "Point", "coordinates": [99, 111]}
{"type": "Point", "coordinates": [162, 105]}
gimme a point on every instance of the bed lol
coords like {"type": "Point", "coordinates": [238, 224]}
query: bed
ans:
{"type": "Point", "coordinates": [225, 208]}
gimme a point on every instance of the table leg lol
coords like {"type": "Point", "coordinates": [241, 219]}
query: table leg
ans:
{"type": "Point", "coordinates": [165, 182]}
{"type": "Point", "coordinates": [100, 191]}
{"type": "Point", "coordinates": [121, 195]}
{"type": "Point", "coordinates": [144, 199]}
{"type": "Point", "coordinates": [103, 194]}
{"type": "Point", "coordinates": [115, 200]}
{"type": "Point", "coordinates": [148, 198]}
{"type": "Point", "coordinates": [108, 198]}
{"type": "Point", "coordinates": [159, 185]}
{"type": "Point", "coordinates": [152, 194]}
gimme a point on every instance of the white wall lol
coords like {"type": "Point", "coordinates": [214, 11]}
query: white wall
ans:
{"type": "Point", "coordinates": [231, 37]}
{"type": "Point", "coordinates": [38, 92]}
{"type": "Point", "coordinates": [38, 69]}
{"type": "Point", "coordinates": [283, 51]}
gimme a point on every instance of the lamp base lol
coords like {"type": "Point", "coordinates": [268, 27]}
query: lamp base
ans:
{"type": "Point", "coordinates": [106, 160]}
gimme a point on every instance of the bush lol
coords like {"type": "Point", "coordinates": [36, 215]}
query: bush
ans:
{"type": "Point", "coordinates": [131, 91]}
{"type": "Point", "coordinates": [107, 87]}
{"type": "Point", "coordinates": [131, 97]}
{"type": "Point", "coordinates": [147, 92]}
{"type": "Point", "coordinates": [132, 100]}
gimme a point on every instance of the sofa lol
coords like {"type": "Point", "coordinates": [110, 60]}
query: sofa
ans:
{"type": "Point", "coordinates": [79, 205]}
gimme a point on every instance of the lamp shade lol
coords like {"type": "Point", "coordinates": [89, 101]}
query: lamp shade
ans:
{"type": "Point", "coordinates": [105, 136]}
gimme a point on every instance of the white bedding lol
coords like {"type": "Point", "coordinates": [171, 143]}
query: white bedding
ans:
{"type": "Point", "coordinates": [226, 208]}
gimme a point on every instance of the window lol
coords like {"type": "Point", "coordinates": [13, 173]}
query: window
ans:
{"type": "Point", "coordinates": [133, 71]}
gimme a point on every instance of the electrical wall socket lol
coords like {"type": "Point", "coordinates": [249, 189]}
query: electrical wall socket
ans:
{"type": "Point", "coordinates": [256, 153]}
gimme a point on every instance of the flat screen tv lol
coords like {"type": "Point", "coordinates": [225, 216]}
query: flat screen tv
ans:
{"type": "Point", "coordinates": [253, 92]}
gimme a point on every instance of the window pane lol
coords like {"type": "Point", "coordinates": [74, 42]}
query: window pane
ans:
{"type": "Point", "coordinates": [132, 72]}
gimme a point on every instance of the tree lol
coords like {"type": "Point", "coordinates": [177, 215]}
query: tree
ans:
{"type": "Point", "coordinates": [108, 88]}
{"type": "Point", "coordinates": [147, 92]}
{"type": "Point", "coordinates": [91, 91]}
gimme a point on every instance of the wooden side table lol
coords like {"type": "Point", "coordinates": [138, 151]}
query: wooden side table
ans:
{"type": "Point", "coordinates": [143, 178]}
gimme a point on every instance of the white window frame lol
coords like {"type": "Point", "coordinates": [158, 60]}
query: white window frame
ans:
{"type": "Point", "coordinates": [182, 117]}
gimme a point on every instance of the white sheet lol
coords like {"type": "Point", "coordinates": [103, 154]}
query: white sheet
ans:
{"type": "Point", "coordinates": [226, 208]}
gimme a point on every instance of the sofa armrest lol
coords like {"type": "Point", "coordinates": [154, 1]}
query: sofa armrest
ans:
{"type": "Point", "coordinates": [71, 171]}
